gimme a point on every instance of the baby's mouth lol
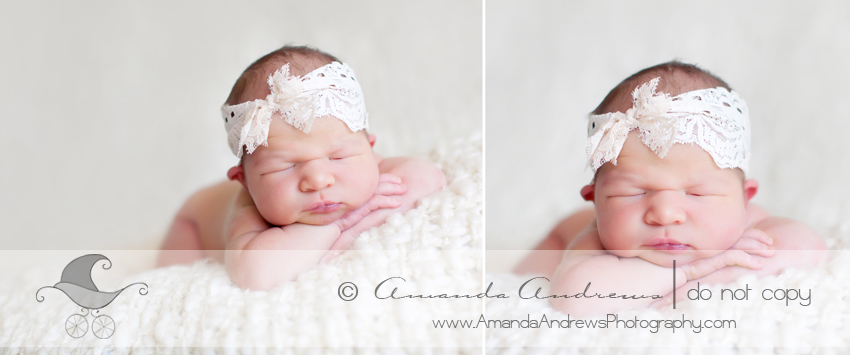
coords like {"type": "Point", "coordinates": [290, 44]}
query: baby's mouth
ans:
{"type": "Point", "coordinates": [324, 207]}
{"type": "Point", "coordinates": [668, 244]}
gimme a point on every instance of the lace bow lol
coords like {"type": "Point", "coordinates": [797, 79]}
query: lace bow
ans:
{"type": "Point", "coordinates": [716, 119]}
{"type": "Point", "coordinates": [330, 90]}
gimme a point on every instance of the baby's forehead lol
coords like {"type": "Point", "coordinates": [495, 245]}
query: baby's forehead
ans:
{"type": "Point", "coordinates": [627, 173]}
{"type": "Point", "coordinates": [610, 175]}
{"type": "Point", "coordinates": [316, 141]}
{"type": "Point", "coordinates": [684, 164]}
{"type": "Point", "coordinates": [282, 150]}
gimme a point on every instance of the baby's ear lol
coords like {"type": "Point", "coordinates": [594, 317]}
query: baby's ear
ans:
{"type": "Point", "coordinates": [588, 192]}
{"type": "Point", "coordinates": [238, 174]}
{"type": "Point", "coordinates": [372, 139]}
{"type": "Point", "coordinates": [751, 186]}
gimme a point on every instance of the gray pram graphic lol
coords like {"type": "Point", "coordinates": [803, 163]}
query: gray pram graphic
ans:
{"type": "Point", "coordinates": [76, 282]}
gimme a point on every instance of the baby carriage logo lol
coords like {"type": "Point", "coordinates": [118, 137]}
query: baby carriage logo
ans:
{"type": "Point", "coordinates": [76, 282]}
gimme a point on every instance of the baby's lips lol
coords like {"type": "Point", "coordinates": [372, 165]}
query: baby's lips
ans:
{"type": "Point", "coordinates": [324, 207]}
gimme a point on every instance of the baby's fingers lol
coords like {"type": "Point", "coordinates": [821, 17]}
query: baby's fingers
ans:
{"type": "Point", "coordinates": [376, 202]}
{"type": "Point", "coordinates": [351, 218]}
{"type": "Point", "coordinates": [759, 235]}
{"type": "Point", "coordinates": [754, 247]}
{"type": "Point", "coordinates": [703, 267]}
{"type": "Point", "coordinates": [389, 189]}
{"type": "Point", "coordinates": [390, 178]}
{"type": "Point", "coordinates": [740, 258]}
{"type": "Point", "coordinates": [381, 201]}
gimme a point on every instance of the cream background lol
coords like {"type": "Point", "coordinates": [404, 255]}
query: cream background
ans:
{"type": "Point", "coordinates": [111, 109]}
{"type": "Point", "coordinates": [549, 63]}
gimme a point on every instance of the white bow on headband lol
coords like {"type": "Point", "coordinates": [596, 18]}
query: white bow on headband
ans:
{"type": "Point", "coordinates": [715, 119]}
{"type": "Point", "coordinates": [330, 90]}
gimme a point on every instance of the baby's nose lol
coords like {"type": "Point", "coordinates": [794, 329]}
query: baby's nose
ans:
{"type": "Point", "coordinates": [316, 176]}
{"type": "Point", "coordinates": [665, 209]}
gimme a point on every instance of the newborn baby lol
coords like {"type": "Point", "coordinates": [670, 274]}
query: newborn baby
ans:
{"type": "Point", "coordinates": [670, 147]}
{"type": "Point", "coordinates": [307, 183]}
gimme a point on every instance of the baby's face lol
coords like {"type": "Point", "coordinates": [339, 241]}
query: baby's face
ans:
{"type": "Point", "coordinates": [680, 207]}
{"type": "Point", "coordinates": [311, 178]}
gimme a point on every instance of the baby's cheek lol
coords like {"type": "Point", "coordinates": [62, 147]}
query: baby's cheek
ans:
{"type": "Point", "coordinates": [274, 204]}
{"type": "Point", "coordinates": [614, 237]}
{"type": "Point", "coordinates": [268, 211]}
{"type": "Point", "coordinates": [727, 226]}
{"type": "Point", "coordinates": [363, 189]}
{"type": "Point", "coordinates": [730, 236]}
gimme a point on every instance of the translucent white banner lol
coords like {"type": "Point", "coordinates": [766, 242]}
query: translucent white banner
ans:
{"type": "Point", "coordinates": [798, 306]}
{"type": "Point", "coordinates": [116, 300]}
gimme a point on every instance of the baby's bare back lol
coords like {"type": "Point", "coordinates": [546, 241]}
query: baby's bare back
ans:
{"type": "Point", "coordinates": [198, 229]}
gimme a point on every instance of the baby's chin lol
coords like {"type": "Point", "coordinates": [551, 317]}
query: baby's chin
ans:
{"type": "Point", "coordinates": [313, 219]}
{"type": "Point", "coordinates": [662, 258]}
{"type": "Point", "coordinates": [321, 219]}
{"type": "Point", "coordinates": [666, 259]}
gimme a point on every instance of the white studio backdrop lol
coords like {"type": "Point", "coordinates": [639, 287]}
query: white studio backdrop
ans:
{"type": "Point", "coordinates": [549, 63]}
{"type": "Point", "coordinates": [111, 108]}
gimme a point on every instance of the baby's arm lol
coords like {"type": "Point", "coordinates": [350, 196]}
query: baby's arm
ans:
{"type": "Point", "coordinates": [585, 262]}
{"type": "Point", "coordinates": [794, 243]}
{"type": "Point", "coordinates": [260, 256]}
{"type": "Point", "coordinates": [421, 179]}
{"type": "Point", "coordinates": [796, 246]}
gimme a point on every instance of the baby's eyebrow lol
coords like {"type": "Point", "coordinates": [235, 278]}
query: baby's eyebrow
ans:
{"type": "Point", "coordinates": [631, 178]}
{"type": "Point", "coordinates": [273, 157]}
{"type": "Point", "coordinates": [709, 180]}
{"type": "Point", "coordinates": [344, 145]}
{"type": "Point", "coordinates": [617, 176]}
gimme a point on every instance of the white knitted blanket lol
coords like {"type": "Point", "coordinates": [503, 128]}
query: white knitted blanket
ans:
{"type": "Point", "coordinates": [436, 248]}
{"type": "Point", "coordinates": [762, 327]}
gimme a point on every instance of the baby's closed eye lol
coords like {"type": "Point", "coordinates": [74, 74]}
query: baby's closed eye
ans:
{"type": "Point", "coordinates": [278, 168]}
{"type": "Point", "coordinates": [627, 193]}
{"type": "Point", "coordinates": [342, 156]}
{"type": "Point", "coordinates": [345, 152]}
{"type": "Point", "coordinates": [703, 193]}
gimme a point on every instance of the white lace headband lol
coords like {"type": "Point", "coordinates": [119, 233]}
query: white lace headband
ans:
{"type": "Point", "coordinates": [715, 119]}
{"type": "Point", "coordinates": [329, 90]}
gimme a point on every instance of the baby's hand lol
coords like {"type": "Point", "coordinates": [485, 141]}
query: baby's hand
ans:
{"type": "Point", "coordinates": [752, 242]}
{"type": "Point", "coordinates": [756, 242]}
{"type": "Point", "coordinates": [388, 185]}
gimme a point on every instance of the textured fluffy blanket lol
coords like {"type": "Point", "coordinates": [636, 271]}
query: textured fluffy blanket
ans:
{"type": "Point", "coordinates": [435, 248]}
{"type": "Point", "coordinates": [762, 327]}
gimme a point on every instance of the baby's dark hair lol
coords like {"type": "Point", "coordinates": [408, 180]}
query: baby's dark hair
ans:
{"type": "Point", "coordinates": [252, 84]}
{"type": "Point", "coordinates": [675, 78]}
